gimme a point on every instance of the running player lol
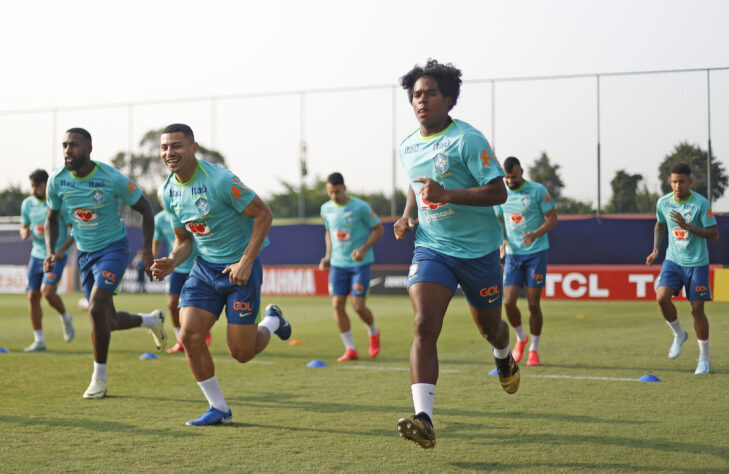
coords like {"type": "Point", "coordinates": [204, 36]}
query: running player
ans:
{"type": "Point", "coordinates": [687, 215]}
{"type": "Point", "coordinates": [33, 213]}
{"type": "Point", "coordinates": [530, 214]}
{"type": "Point", "coordinates": [229, 223]}
{"type": "Point", "coordinates": [175, 280]}
{"type": "Point", "coordinates": [352, 228]}
{"type": "Point", "coordinates": [455, 180]}
{"type": "Point", "coordinates": [90, 193]}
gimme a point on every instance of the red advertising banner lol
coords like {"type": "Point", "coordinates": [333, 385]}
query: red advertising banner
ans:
{"type": "Point", "coordinates": [294, 281]}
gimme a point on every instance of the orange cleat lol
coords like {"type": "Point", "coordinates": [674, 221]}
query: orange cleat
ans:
{"type": "Point", "coordinates": [375, 345]}
{"type": "Point", "coordinates": [349, 354]}
{"type": "Point", "coordinates": [533, 358]}
{"type": "Point", "coordinates": [518, 351]}
{"type": "Point", "coordinates": [208, 339]}
{"type": "Point", "coordinates": [176, 348]}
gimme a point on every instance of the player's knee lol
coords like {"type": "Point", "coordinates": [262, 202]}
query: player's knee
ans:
{"type": "Point", "coordinates": [34, 296]}
{"type": "Point", "coordinates": [242, 354]}
{"type": "Point", "coordinates": [425, 329]}
{"type": "Point", "coordinates": [48, 291]}
{"type": "Point", "coordinates": [533, 306]}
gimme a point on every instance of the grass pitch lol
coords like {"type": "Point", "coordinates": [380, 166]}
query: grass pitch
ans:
{"type": "Point", "coordinates": [582, 410]}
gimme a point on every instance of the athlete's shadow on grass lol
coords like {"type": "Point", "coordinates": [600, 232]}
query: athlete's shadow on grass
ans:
{"type": "Point", "coordinates": [100, 425]}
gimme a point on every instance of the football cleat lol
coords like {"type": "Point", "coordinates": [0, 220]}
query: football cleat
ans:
{"type": "Point", "coordinates": [212, 417]}
{"type": "Point", "coordinates": [418, 429]}
{"type": "Point", "coordinates": [375, 345]}
{"type": "Point", "coordinates": [349, 354]}
{"type": "Point", "coordinates": [703, 367]}
{"type": "Point", "coordinates": [533, 358]}
{"type": "Point", "coordinates": [176, 348]}
{"type": "Point", "coordinates": [508, 373]}
{"type": "Point", "coordinates": [68, 331]}
{"type": "Point", "coordinates": [158, 333]}
{"type": "Point", "coordinates": [97, 389]}
{"type": "Point", "coordinates": [284, 328]}
{"type": "Point", "coordinates": [36, 347]}
{"type": "Point", "coordinates": [518, 351]}
{"type": "Point", "coordinates": [675, 349]}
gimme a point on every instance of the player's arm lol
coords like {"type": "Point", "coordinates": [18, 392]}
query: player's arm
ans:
{"type": "Point", "coordinates": [489, 194]}
{"type": "Point", "coordinates": [550, 220]}
{"type": "Point", "coordinates": [324, 262]}
{"type": "Point", "coordinates": [156, 245]}
{"type": "Point", "coordinates": [24, 231]}
{"type": "Point", "coordinates": [51, 234]}
{"type": "Point", "coordinates": [143, 207]}
{"type": "Point", "coordinates": [504, 243]}
{"type": "Point", "coordinates": [262, 216]}
{"type": "Point", "coordinates": [64, 246]}
{"type": "Point", "coordinates": [710, 233]}
{"type": "Point", "coordinates": [181, 251]}
{"type": "Point", "coordinates": [377, 232]}
{"type": "Point", "coordinates": [659, 232]}
{"type": "Point", "coordinates": [406, 223]}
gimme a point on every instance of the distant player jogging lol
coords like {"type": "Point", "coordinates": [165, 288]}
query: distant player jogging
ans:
{"type": "Point", "coordinates": [351, 229]}
{"type": "Point", "coordinates": [229, 224]}
{"type": "Point", "coordinates": [526, 217]}
{"type": "Point", "coordinates": [91, 193]}
{"type": "Point", "coordinates": [455, 180]}
{"type": "Point", "coordinates": [687, 217]}
{"type": "Point", "coordinates": [33, 212]}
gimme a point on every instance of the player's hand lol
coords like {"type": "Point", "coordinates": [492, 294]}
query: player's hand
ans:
{"type": "Point", "coordinates": [502, 251]}
{"type": "Point", "coordinates": [238, 273]}
{"type": "Point", "coordinates": [402, 226]}
{"type": "Point", "coordinates": [431, 190]}
{"type": "Point", "coordinates": [528, 238]}
{"type": "Point", "coordinates": [324, 264]}
{"type": "Point", "coordinates": [48, 263]}
{"type": "Point", "coordinates": [651, 258]}
{"type": "Point", "coordinates": [147, 262]}
{"type": "Point", "coordinates": [677, 217]}
{"type": "Point", "coordinates": [161, 268]}
{"type": "Point", "coordinates": [357, 255]}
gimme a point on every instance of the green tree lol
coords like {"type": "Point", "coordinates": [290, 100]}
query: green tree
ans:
{"type": "Point", "coordinates": [11, 199]}
{"type": "Point", "coordinates": [546, 173]}
{"type": "Point", "coordinates": [696, 158]}
{"type": "Point", "coordinates": [628, 197]}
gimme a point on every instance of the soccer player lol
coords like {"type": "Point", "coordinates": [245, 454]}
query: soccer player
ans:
{"type": "Point", "coordinates": [176, 279]}
{"type": "Point", "coordinates": [687, 215]}
{"type": "Point", "coordinates": [526, 217]}
{"type": "Point", "coordinates": [455, 180]}
{"type": "Point", "coordinates": [33, 213]}
{"type": "Point", "coordinates": [352, 228]}
{"type": "Point", "coordinates": [90, 193]}
{"type": "Point", "coordinates": [229, 223]}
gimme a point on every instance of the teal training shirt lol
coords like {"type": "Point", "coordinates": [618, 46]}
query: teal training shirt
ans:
{"type": "Point", "coordinates": [93, 203]}
{"type": "Point", "coordinates": [163, 231]}
{"type": "Point", "coordinates": [457, 157]}
{"type": "Point", "coordinates": [349, 226]}
{"type": "Point", "coordinates": [684, 248]}
{"type": "Point", "coordinates": [210, 207]}
{"type": "Point", "coordinates": [33, 212]}
{"type": "Point", "coordinates": [524, 211]}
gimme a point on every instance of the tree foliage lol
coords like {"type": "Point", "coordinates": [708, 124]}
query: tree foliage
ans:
{"type": "Point", "coordinates": [628, 196]}
{"type": "Point", "coordinates": [546, 173]}
{"type": "Point", "coordinates": [696, 158]}
{"type": "Point", "coordinates": [11, 199]}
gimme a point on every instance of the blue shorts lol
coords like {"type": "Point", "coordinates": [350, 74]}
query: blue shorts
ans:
{"type": "Point", "coordinates": [525, 270]}
{"type": "Point", "coordinates": [480, 278]}
{"type": "Point", "coordinates": [343, 280]}
{"type": "Point", "coordinates": [175, 281]}
{"type": "Point", "coordinates": [36, 275]}
{"type": "Point", "coordinates": [209, 289]}
{"type": "Point", "coordinates": [104, 268]}
{"type": "Point", "coordinates": [694, 279]}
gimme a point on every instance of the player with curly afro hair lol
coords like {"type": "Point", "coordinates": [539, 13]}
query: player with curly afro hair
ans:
{"type": "Point", "coordinates": [447, 76]}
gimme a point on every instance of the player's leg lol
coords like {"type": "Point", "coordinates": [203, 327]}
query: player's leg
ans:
{"type": "Point", "coordinates": [514, 276]}
{"type": "Point", "coordinates": [35, 311]}
{"type": "Point", "coordinates": [670, 281]}
{"type": "Point", "coordinates": [699, 291]}
{"type": "Point", "coordinates": [175, 282]}
{"type": "Point", "coordinates": [48, 289]}
{"type": "Point", "coordinates": [535, 269]}
{"type": "Point", "coordinates": [360, 286]}
{"type": "Point", "coordinates": [340, 283]}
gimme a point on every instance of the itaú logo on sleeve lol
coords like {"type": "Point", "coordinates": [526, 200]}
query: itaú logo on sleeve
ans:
{"type": "Point", "coordinates": [198, 228]}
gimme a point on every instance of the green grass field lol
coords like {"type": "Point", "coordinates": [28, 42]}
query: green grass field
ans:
{"type": "Point", "coordinates": [582, 410]}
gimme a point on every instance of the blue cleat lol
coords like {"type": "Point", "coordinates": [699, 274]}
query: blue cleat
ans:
{"type": "Point", "coordinates": [212, 417]}
{"type": "Point", "coordinates": [284, 328]}
{"type": "Point", "coordinates": [703, 367]}
{"type": "Point", "coordinates": [675, 349]}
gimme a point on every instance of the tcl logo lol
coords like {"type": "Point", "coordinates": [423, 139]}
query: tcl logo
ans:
{"type": "Point", "coordinates": [198, 228]}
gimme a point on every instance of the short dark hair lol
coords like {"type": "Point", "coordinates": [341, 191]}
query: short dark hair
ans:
{"type": "Point", "coordinates": [447, 76]}
{"type": "Point", "coordinates": [80, 131]}
{"type": "Point", "coordinates": [335, 179]}
{"type": "Point", "coordinates": [39, 176]}
{"type": "Point", "coordinates": [681, 168]}
{"type": "Point", "coordinates": [510, 162]}
{"type": "Point", "coordinates": [180, 128]}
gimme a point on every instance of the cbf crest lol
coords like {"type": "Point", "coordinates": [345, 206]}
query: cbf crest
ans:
{"type": "Point", "coordinates": [526, 201]}
{"type": "Point", "coordinates": [203, 207]}
{"type": "Point", "coordinates": [98, 196]}
{"type": "Point", "coordinates": [441, 164]}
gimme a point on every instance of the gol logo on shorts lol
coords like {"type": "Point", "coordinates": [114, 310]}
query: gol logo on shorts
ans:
{"type": "Point", "coordinates": [242, 306]}
{"type": "Point", "coordinates": [108, 275]}
{"type": "Point", "coordinates": [490, 291]}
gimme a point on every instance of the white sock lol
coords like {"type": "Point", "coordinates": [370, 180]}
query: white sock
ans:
{"type": "Point", "coordinates": [676, 327]}
{"type": "Point", "coordinates": [520, 333]}
{"type": "Point", "coordinates": [148, 320]}
{"type": "Point", "coordinates": [177, 333]}
{"type": "Point", "coordinates": [502, 353]}
{"type": "Point", "coordinates": [703, 349]}
{"type": "Point", "coordinates": [212, 391]}
{"type": "Point", "coordinates": [534, 346]}
{"type": "Point", "coordinates": [38, 336]}
{"type": "Point", "coordinates": [423, 396]}
{"type": "Point", "coordinates": [348, 340]}
{"type": "Point", "coordinates": [271, 323]}
{"type": "Point", "coordinates": [99, 371]}
{"type": "Point", "coordinates": [372, 330]}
